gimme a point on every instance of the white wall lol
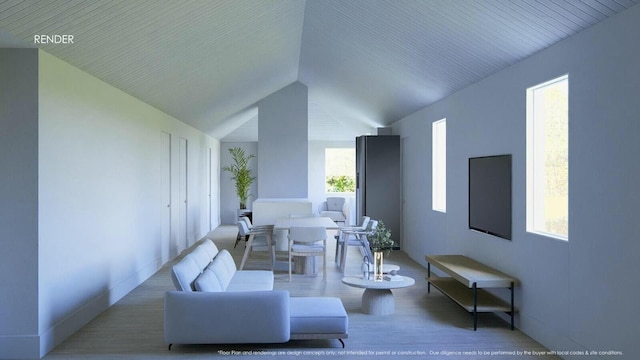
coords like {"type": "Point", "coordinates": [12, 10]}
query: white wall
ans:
{"type": "Point", "coordinates": [99, 195]}
{"type": "Point", "coordinates": [19, 203]}
{"type": "Point", "coordinates": [283, 142]}
{"type": "Point", "coordinates": [229, 201]}
{"type": "Point", "coordinates": [580, 294]}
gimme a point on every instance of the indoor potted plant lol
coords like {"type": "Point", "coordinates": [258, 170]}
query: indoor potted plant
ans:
{"type": "Point", "coordinates": [241, 174]}
{"type": "Point", "coordinates": [380, 242]}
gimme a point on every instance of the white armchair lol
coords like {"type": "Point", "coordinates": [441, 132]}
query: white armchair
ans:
{"type": "Point", "coordinates": [335, 208]}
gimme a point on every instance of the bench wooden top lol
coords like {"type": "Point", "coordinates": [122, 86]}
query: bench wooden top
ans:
{"type": "Point", "coordinates": [469, 271]}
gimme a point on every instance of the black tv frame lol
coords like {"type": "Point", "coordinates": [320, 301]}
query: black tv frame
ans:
{"type": "Point", "coordinates": [501, 191]}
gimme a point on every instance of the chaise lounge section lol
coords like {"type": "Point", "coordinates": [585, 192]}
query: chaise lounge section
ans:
{"type": "Point", "coordinates": [217, 304]}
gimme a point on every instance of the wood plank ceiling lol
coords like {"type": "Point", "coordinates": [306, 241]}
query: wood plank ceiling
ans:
{"type": "Point", "coordinates": [367, 63]}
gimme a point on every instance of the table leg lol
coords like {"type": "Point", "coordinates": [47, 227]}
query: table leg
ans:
{"type": "Point", "coordinates": [475, 307]}
{"type": "Point", "coordinates": [512, 308]}
{"type": "Point", "coordinates": [428, 277]}
{"type": "Point", "coordinates": [378, 302]}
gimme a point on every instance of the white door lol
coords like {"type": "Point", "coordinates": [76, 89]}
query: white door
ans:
{"type": "Point", "coordinates": [165, 202]}
{"type": "Point", "coordinates": [183, 196]}
{"type": "Point", "coordinates": [210, 184]}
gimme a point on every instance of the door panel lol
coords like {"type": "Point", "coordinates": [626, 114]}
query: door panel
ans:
{"type": "Point", "coordinates": [165, 202]}
{"type": "Point", "coordinates": [183, 238]}
{"type": "Point", "coordinates": [210, 190]}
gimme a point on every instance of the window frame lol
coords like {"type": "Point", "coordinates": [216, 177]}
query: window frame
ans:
{"type": "Point", "coordinates": [535, 204]}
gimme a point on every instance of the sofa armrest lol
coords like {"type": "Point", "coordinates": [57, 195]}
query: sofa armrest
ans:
{"type": "Point", "coordinates": [322, 207]}
{"type": "Point", "coordinates": [226, 317]}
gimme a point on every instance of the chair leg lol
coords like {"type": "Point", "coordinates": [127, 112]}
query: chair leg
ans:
{"type": "Point", "coordinates": [324, 266]}
{"type": "Point", "coordinates": [343, 254]}
{"type": "Point", "coordinates": [246, 251]}
{"type": "Point", "coordinates": [289, 264]}
{"type": "Point", "coordinates": [339, 241]}
{"type": "Point", "coordinates": [273, 251]}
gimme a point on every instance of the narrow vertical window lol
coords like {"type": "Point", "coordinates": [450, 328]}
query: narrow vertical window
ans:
{"type": "Point", "coordinates": [548, 158]}
{"type": "Point", "coordinates": [439, 165]}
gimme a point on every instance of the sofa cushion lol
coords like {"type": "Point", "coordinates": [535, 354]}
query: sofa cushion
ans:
{"type": "Point", "coordinates": [251, 280]}
{"type": "Point", "coordinates": [201, 257]}
{"type": "Point", "coordinates": [210, 248]}
{"type": "Point", "coordinates": [334, 215]}
{"type": "Point", "coordinates": [318, 315]}
{"type": "Point", "coordinates": [221, 271]}
{"type": "Point", "coordinates": [335, 204]}
{"type": "Point", "coordinates": [184, 273]}
{"type": "Point", "coordinates": [208, 282]}
{"type": "Point", "coordinates": [227, 260]}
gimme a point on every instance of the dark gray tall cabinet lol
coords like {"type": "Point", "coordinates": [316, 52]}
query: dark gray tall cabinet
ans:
{"type": "Point", "coordinates": [378, 180]}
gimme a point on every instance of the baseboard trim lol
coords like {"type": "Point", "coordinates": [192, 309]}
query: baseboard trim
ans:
{"type": "Point", "coordinates": [552, 339]}
{"type": "Point", "coordinates": [19, 347]}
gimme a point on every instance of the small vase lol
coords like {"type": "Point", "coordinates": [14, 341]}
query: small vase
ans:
{"type": "Point", "coordinates": [377, 266]}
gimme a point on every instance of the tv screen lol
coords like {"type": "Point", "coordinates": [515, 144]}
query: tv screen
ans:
{"type": "Point", "coordinates": [490, 195]}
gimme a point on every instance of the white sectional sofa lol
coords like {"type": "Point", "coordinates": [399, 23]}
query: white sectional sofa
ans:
{"type": "Point", "coordinates": [208, 270]}
{"type": "Point", "coordinates": [217, 304]}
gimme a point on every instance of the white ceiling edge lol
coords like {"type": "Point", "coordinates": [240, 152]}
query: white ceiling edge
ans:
{"type": "Point", "coordinates": [234, 122]}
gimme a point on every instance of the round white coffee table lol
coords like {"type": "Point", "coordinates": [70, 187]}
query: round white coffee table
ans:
{"type": "Point", "coordinates": [377, 298]}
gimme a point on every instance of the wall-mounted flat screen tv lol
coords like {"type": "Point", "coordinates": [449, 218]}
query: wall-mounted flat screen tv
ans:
{"type": "Point", "coordinates": [490, 195]}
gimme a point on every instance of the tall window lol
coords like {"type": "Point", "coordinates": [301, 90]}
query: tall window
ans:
{"type": "Point", "coordinates": [340, 170]}
{"type": "Point", "coordinates": [439, 165]}
{"type": "Point", "coordinates": [548, 158]}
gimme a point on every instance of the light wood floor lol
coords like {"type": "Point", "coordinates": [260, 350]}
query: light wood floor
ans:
{"type": "Point", "coordinates": [424, 325]}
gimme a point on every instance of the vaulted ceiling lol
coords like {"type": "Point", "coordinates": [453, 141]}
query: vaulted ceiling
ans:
{"type": "Point", "coordinates": [367, 63]}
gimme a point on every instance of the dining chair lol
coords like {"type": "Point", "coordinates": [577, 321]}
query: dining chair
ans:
{"type": "Point", "coordinates": [355, 238]}
{"type": "Point", "coordinates": [308, 241]}
{"type": "Point", "coordinates": [278, 238]}
{"type": "Point", "coordinates": [256, 227]}
{"type": "Point", "coordinates": [259, 238]}
{"type": "Point", "coordinates": [341, 236]}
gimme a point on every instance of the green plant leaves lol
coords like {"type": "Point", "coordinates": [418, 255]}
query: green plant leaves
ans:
{"type": "Point", "coordinates": [241, 173]}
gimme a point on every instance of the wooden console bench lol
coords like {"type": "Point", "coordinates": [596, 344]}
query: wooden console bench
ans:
{"type": "Point", "coordinates": [464, 286]}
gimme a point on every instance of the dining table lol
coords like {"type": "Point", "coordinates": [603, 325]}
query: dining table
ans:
{"type": "Point", "coordinates": [285, 223]}
{"type": "Point", "coordinates": [303, 265]}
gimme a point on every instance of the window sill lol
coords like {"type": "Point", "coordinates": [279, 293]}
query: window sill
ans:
{"type": "Point", "coordinates": [549, 235]}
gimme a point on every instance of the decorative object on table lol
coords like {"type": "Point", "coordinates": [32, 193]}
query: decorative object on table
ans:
{"type": "Point", "coordinates": [365, 267]}
{"type": "Point", "coordinates": [378, 266]}
{"type": "Point", "coordinates": [241, 174]}
{"type": "Point", "coordinates": [380, 242]}
{"type": "Point", "coordinates": [393, 276]}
